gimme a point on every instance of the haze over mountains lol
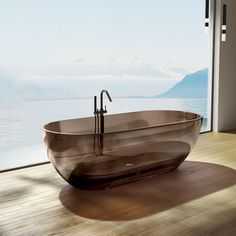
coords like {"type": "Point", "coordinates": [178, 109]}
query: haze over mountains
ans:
{"type": "Point", "coordinates": [17, 89]}
{"type": "Point", "coordinates": [191, 86]}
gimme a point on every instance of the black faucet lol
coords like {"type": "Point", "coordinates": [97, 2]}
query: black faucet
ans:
{"type": "Point", "coordinates": [103, 111]}
{"type": "Point", "coordinates": [99, 117]}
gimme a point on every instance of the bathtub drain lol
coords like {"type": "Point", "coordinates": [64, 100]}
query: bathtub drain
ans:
{"type": "Point", "coordinates": [128, 164]}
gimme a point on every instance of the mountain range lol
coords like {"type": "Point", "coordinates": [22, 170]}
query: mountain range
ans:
{"type": "Point", "coordinates": [191, 86]}
{"type": "Point", "coordinates": [194, 85]}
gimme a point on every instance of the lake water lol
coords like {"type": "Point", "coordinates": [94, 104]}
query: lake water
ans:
{"type": "Point", "coordinates": [20, 123]}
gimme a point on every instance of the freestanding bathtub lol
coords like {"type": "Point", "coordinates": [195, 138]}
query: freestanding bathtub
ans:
{"type": "Point", "coordinates": [134, 145]}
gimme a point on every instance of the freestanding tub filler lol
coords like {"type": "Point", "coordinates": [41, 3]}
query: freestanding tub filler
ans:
{"type": "Point", "coordinates": [132, 146]}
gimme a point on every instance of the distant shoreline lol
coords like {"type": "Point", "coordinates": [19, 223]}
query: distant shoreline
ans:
{"type": "Point", "coordinates": [90, 98]}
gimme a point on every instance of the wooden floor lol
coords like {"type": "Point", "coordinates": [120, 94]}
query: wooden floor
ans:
{"type": "Point", "coordinates": [197, 199]}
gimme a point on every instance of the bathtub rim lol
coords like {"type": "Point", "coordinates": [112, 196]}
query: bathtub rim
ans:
{"type": "Point", "coordinates": [199, 117]}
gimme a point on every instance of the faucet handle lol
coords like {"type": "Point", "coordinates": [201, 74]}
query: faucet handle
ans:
{"type": "Point", "coordinates": [105, 110]}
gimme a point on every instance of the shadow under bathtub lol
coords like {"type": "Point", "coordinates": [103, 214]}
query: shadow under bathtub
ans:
{"type": "Point", "coordinates": [192, 180]}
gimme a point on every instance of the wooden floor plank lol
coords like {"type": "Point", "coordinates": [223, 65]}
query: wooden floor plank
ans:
{"type": "Point", "coordinates": [197, 199]}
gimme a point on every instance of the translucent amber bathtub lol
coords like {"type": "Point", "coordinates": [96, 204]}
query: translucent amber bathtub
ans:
{"type": "Point", "coordinates": [134, 145]}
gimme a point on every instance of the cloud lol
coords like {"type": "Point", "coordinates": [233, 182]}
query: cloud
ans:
{"type": "Point", "coordinates": [91, 70]}
{"type": "Point", "coordinates": [179, 70]}
{"type": "Point", "coordinates": [80, 60]}
{"type": "Point", "coordinates": [129, 68]}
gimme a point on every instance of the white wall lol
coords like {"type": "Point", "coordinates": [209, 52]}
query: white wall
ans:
{"type": "Point", "coordinates": [224, 116]}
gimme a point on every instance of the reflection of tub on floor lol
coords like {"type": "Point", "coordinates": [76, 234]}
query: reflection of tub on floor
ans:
{"type": "Point", "coordinates": [135, 145]}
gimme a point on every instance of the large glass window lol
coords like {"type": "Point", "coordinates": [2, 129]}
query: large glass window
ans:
{"type": "Point", "coordinates": [56, 55]}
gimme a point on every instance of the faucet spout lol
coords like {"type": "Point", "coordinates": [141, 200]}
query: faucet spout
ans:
{"type": "Point", "coordinates": [101, 99]}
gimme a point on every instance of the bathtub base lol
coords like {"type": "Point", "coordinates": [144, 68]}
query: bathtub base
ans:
{"type": "Point", "coordinates": [104, 182]}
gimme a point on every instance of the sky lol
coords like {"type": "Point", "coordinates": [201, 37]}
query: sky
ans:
{"type": "Point", "coordinates": [103, 39]}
